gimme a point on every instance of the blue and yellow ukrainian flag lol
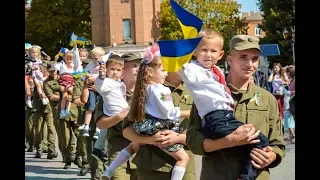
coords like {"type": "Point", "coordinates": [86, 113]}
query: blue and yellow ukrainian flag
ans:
{"type": "Point", "coordinates": [79, 74]}
{"type": "Point", "coordinates": [63, 51]}
{"type": "Point", "coordinates": [190, 24]}
{"type": "Point", "coordinates": [81, 40]}
{"type": "Point", "coordinates": [73, 39]}
{"type": "Point", "coordinates": [175, 53]}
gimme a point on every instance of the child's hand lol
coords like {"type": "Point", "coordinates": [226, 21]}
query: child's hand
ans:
{"type": "Point", "coordinates": [48, 58]}
{"type": "Point", "coordinates": [56, 57]}
{"type": "Point", "coordinates": [90, 80]}
{"type": "Point", "coordinates": [75, 45]}
{"type": "Point", "coordinates": [88, 76]}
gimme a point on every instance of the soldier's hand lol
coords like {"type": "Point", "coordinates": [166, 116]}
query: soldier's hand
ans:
{"type": "Point", "coordinates": [92, 88]}
{"type": "Point", "coordinates": [123, 113]}
{"type": "Point", "coordinates": [154, 139]}
{"type": "Point", "coordinates": [245, 134]}
{"type": "Point", "coordinates": [262, 157]}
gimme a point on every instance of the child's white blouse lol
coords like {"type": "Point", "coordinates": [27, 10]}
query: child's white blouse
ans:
{"type": "Point", "coordinates": [113, 94]}
{"type": "Point", "coordinates": [159, 103]}
{"type": "Point", "coordinates": [75, 65]}
{"type": "Point", "coordinates": [208, 94]}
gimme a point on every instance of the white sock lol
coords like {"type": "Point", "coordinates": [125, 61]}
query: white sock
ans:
{"type": "Point", "coordinates": [86, 127]}
{"type": "Point", "coordinates": [177, 173]}
{"type": "Point", "coordinates": [98, 130]}
{"type": "Point", "coordinates": [29, 98]}
{"type": "Point", "coordinates": [121, 158]}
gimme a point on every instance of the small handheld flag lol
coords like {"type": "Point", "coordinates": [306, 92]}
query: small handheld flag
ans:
{"type": "Point", "coordinates": [79, 74]}
{"type": "Point", "coordinates": [63, 51]}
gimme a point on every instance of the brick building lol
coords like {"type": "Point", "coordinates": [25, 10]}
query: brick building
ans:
{"type": "Point", "coordinates": [116, 22]}
{"type": "Point", "coordinates": [252, 20]}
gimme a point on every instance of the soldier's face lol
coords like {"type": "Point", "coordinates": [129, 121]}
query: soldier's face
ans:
{"type": "Point", "coordinates": [244, 63]}
{"type": "Point", "coordinates": [131, 70]}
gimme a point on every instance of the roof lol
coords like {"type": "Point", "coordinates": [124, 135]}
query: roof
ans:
{"type": "Point", "coordinates": [270, 49]}
{"type": "Point", "coordinates": [255, 17]}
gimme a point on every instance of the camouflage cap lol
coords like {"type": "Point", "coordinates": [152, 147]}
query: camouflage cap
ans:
{"type": "Point", "coordinates": [243, 42]}
{"type": "Point", "coordinates": [86, 61]}
{"type": "Point", "coordinates": [131, 56]}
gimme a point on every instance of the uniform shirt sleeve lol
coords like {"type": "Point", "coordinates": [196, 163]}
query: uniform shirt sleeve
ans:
{"type": "Point", "coordinates": [195, 137]}
{"type": "Point", "coordinates": [276, 139]}
{"type": "Point", "coordinates": [163, 100]}
{"type": "Point", "coordinates": [47, 90]}
{"type": "Point", "coordinates": [76, 93]}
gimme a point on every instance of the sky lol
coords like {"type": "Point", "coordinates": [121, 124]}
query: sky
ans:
{"type": "Point", "coordinates": [248, 5]}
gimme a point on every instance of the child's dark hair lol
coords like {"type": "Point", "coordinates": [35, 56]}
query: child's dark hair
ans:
{"type": "Point", "coordinates": [115, 59]}
{"type": "Point", "coordinates": [137, 107]}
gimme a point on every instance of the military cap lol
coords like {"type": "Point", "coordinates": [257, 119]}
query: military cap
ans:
{"type": "Point", "coordinates": [243, 42]}
{"type": "Point", "coordinates": [131, 56]}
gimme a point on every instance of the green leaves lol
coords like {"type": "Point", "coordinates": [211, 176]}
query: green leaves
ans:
{"type": "Point", "coordinates": [278, 15]}
{"type": "Point", "coordinates": [52, 21]}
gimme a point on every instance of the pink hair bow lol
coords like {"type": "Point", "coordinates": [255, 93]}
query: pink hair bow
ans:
{"type": "Point", "coordinates": [150, 53]}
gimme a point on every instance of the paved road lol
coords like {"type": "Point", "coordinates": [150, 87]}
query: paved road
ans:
{"type": "Point", "coordinates": [44, 169]}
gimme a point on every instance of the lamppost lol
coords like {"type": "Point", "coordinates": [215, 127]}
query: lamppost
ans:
{"type": "Point", "coordinates": [286, 35]}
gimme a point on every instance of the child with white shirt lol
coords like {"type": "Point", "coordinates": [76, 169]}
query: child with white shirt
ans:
{"type": "Point", "coordinates": [37, 75]}
{"type": "Point", "coordinates": [151, 111]}
{"type": "Point", "coordinates": [93, 69]}
{"type": "Point", "coordinates": [113, 92]}
{"type": "Point", "coordinates": [211, 96]}
{"type": "Point", "coordinates": [71, 63]}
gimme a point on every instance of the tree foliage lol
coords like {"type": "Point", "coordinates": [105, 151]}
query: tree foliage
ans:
{"type": "Point", "coordinates": [220, 15]}
{"type": "Point", "coordinates": [50, 23]}
{"type": "Point", "coordinates": [278, 15]}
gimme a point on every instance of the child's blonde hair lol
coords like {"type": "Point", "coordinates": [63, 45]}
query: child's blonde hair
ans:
{"type": "Point", "coordinates": [69, 53]}
{"type": "Point", "coordinates": [211, 34]}
{"type": "Point", "coordinates": [98, 51]}
{"type": "Point", "coordinates": [36, 48]}
{"type": "Point", "coordinates": [83, 50]}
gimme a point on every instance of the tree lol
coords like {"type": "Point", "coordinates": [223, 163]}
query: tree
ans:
{"type": "Point", "coordinates": [50, 23]}
{"type": "Point", "coordinates": [278, 15]}
{"type": "Point", "coordinates": [169, 25]}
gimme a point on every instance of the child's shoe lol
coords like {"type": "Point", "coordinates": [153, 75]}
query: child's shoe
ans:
{"type": "Point", "coordinates": [96, 135]}
{"type": "Point", "coordinates": [81, 127]}
{"type": "Point", "coordinates": [63, 114]}
{"type": "Point", "coordinates": [44, 102]}
{"type": "Point", "coordinates": [68, 114]}
{"type": "Point", "coordinates": [29, 103]}
{"type": "Point", "coordinates": [47, 100]}
{"type": "Point", "coordinates": [85, 133]}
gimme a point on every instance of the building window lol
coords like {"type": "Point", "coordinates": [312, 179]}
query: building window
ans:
{"type": "Point", "coordinates": [124, 1]}
{"type": "Point", "coordinates": [257, 31]}
{"type": "Point", "coordinates": [126, 29]}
